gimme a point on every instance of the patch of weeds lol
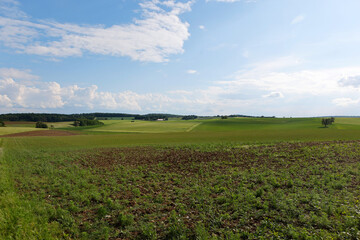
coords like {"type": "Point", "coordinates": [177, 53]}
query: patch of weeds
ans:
{"type": "Point", "coordinates": [123, 220]}
{"type": "Point", "coordinates": [147, 232]}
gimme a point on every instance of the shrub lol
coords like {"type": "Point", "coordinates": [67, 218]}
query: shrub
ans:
{"type": "Point", "coordinates": [189, 117]}
{"type": "Point", "coordinates": [148, 232]}
{"type": "Point", "coordinates": [123, 220]}
{"type": "Point", "coordinates": [41, 125]}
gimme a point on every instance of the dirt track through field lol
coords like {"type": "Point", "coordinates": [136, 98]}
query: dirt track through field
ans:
{"type": "Point", "coordinates": [47, 133]}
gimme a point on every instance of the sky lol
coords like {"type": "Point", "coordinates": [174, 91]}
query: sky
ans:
{"type": "Point", "coordinates": [296, 58]}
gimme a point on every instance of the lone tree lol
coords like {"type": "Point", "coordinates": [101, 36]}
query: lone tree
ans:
{"type": "Point", "coordinates": [327, 121]}
{"type": "Point", "coordinates": [2, 124]}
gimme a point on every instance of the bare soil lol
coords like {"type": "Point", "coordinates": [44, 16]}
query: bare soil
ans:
{"type": "Point", "coordinates": [17, 122]}
{"type": "Point", "coordinates": [47, 133]}
{"type": "Point", "coordinates": [273, 157]}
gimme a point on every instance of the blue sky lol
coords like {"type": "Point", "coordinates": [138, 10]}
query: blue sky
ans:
{"type": "Point", "coordinates": [206, 57]}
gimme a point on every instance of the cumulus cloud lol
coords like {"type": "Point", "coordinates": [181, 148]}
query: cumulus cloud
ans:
{"type": "Point", "coordinates": [17, 94]}
{"type": "Point", "coordinates": [51, 95]}
{"type": "Point", "coordinates": [310, 91]}
{"type": "Point", "coordinates": [353, 81]}
{"type": "Point", "coordinates": [5, 101]}
{"type": "Point", "coordinates": [202, 27]}
{"type": "Point", "coordinates": [157, 35]}
{"type": "Point", "coordinates": [298, 19]}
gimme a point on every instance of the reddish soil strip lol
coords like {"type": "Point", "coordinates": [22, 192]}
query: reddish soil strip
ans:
{"type": "Point", "coordinates": [17, 122]}
{"type": "Point", "coordinates": [51, 133]}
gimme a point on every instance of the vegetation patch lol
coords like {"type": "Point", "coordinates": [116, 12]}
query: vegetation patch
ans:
{"type": "Point", "coordinates": [277, 191]}
{"type": "Point", "coordinates": [41, 125]}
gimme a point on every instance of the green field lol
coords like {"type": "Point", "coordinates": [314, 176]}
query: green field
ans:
{"type": "Point", "coordinates": [146, 126]}
{"type": "Point", "coordinates": [238, 178]}
{"type": "Point", "coordinates": [17, 129]}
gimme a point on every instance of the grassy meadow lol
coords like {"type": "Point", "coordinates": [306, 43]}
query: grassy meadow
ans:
{"type": "Point", "coordinates": [237, 178]}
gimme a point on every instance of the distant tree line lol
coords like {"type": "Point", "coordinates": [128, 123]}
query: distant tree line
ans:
{"type": "Point", "coordinates": [154, 116]}
{"type": "Point", "coordinates": [238, 115]}
{"type": "Point", "coordinates": [189, 117]}
{"type": "Point", "coordinates": [54, 117]}
{"type": "Point", "coordinates": [45, 117]}
{"type": "Point", "coordinates": [246, 116]}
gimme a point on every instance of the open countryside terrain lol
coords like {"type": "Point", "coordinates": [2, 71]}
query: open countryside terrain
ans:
{"type": "Point", "coordinates": [147, 126]}
{"type": "Point", "coordinates": [236, 178]}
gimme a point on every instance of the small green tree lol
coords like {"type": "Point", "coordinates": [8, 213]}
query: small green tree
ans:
{"type": "Point", "coordinates": [326, 121]}
{"type": "Point", "coordinates": [2, 124]}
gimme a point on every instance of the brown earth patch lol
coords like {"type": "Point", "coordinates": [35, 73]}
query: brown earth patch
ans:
{"type": "Point", "coordinates": [175, 160]}
{"type": "Point", "coordinates": [188, 161]}
{"type": "Point", "coordinates": [159, 193]}
{"type": "Point", "coordinates": [17, 122]}
{"type": "Point", "coordinates": [47, 133]}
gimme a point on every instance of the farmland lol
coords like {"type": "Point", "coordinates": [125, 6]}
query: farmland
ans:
{"type": "Point", "coordinates": [240, 178]}
{"type": "Point", "coordinates": [146, 126]}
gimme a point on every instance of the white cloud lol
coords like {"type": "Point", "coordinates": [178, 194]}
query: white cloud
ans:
{"type": "Point", "coordinates": [202, 27]}
{"type": "Point", "coordinates": [273, 95]}
{"type": "Point", "coordinates": [157, 35]}
{"type": "Point", "coordinates": [5, 101]}
{"type": "Point", "coordinates": [51, 95]}
{"type": "Point", "coordinates": [345, 102]}
{"type": "Point", "coordinates": [298, 19]}
{"type": "Point", "coordinates": [17, 74]}
{"type": "Point", "coordinates": [10, 8]}
{"type": "Point", "coordinates": [249, 91]}
{"type": "Point", "coordinates": [191, 71]}
{"type": "Point", "coordinates": [286, 75]}
{"type": "Point", "coordinates": [353, 81]}
{"type": "Point", "coordinates": [45, 96]}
